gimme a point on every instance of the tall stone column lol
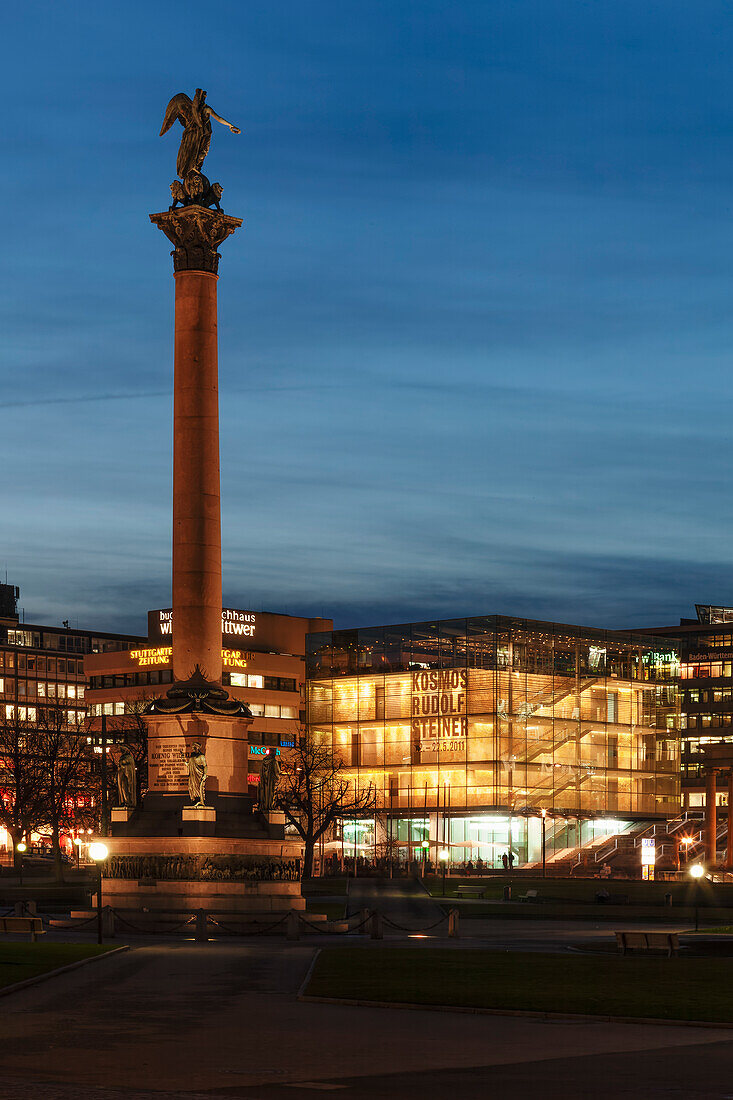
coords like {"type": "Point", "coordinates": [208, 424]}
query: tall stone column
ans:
{"type": "Point", "coordinates": [729, 841]}
{"type": "Point", "coordinates": [711, 827]}
{"type": "Point", "coordinates": [196, 233]}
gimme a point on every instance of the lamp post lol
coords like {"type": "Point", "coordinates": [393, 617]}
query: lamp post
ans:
{"type": "Point", "coordinates": [544, 843]}
{"type": "Point", "coordinates": [696, 872]}
{"type": "Point", "coordinates": [21, 847]}
{"type": "Point", "coordinates": [443, 856]}
{"type": "Point", "coordinates": [99, 853]}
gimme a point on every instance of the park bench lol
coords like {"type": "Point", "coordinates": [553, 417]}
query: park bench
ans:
{"type": "Point", "coordinates": [648, 941]}
{"type": "Point", "coordinates": [604, 898]}
{"type": "Point", "coordinates": [32, 925]}
{"type": "Point", "coordinates": [471, 891]}
{"type": "Point", "coordinates": [531, 895]}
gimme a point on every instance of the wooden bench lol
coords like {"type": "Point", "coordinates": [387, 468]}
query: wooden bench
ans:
{"type": "Point", "coordinates": [471, 891]}
{"type": "Point", "coordinates": [531, 895]}
{"type": "Point", "coordinates": [32, 925]}
{"type": "Point", "coordinates": [648, 941]}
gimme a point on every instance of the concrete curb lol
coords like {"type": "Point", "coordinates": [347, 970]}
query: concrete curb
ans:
{"type": "Point", "coordinates": [18, 986]}
{"type": "Point", "coordinates": [576, 1017]}
{"type": "Point", "coordinates": [304, 984]}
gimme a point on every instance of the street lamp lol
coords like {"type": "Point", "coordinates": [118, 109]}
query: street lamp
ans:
{"type": "Point", "coordinates": [444, 856]}
{"type": "Point", "coordinates": [99, 853]}
{"type": "Point", "coordinates": [21, 847]}
{"type": "Point", "coordinates": [696, 872]}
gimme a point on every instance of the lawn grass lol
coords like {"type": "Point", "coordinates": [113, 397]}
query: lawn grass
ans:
{"type": "Point", "coordinates": [19, 961]}
{"type": "Point", "coordinates": [715, 895]}
{"type": "Point", "coordinates": [324, 887]}
{"type": "Point", "coordinates": [333, 910]}
{"type": "Point", "coordinates": [661, 988]}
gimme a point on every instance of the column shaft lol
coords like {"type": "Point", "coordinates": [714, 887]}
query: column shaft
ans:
{"type": "Point", "coordinates": [710, 815]}
{"type": "Point", "coordinates": [729, 841]}
{"type": "Point", "coordinates": [196, 487]}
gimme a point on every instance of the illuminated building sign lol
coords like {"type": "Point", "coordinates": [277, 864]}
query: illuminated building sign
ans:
{"type": "Point", "coordinates": [439, 721]}
{"type": "Point", "coordinates": [260, 750]}
{"type": "Point", "coordinates": [287, 744]}
{"type": "Point", "coordinates": [162, 655]}
{"type": "Point", "coordinates": [648, 852]}
{"type": "Point", "coordinates": [238, 623]}
{"type": "Point", "coordinates": [253, 780]}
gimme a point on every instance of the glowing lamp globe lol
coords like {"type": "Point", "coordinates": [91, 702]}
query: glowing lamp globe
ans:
{"type": "Point", "coordinates": [444, 854]}
{"type": "Point", "coordinates": [22, 846]}
{"type": "Point", "coordinates": [697, 871]}
{"type": "Point", "coordinates": [98, 851]}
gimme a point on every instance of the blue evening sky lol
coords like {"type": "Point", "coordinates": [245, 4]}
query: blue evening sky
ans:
{"type": "Point", "coordinates": [475, 337]}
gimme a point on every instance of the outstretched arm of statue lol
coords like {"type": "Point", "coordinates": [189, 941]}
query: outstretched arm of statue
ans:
{"type": "Point", "coordinates": [223, 121]}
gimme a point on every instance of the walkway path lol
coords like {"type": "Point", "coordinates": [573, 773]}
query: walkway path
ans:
{"type": "Point", "coordinates": [222, 1020]}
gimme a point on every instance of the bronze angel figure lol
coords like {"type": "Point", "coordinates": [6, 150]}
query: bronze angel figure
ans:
{"type": "Point", "coordinates": [195, 117]}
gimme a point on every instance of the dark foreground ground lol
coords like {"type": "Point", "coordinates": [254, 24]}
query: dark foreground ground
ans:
{"type": "Point", "coordinates": [222, 1020]}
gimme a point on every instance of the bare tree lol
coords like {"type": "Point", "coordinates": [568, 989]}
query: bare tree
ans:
{"type": "Point", "coordinates": [21, 776]}
{"type": "Point", "coordinates": [313, 792]}
{"type": "Point", "coordinates": [65, 759]}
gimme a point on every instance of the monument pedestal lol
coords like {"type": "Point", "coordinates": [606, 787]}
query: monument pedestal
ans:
{"type": "Point", "coordinates": [198, 820]}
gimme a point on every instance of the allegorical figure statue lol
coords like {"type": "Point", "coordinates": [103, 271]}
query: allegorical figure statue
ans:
{"type": "Point", "coordinates": [197, 775]}
{"type": "Point", "coordinates": [269, 775]}
{"type": "Point", "coordinates": [126, 778]}
{"type": "Point", "coordinates": [195, 117]}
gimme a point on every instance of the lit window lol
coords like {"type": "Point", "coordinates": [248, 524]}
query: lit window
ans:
{"type": "Point", "coordinates": [256, 681]}
{"type": "Point", "coordinates": [238, 680]}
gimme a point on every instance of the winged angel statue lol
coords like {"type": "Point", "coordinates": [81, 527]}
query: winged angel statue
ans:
{"type": "Point", "coordinates": [194, 115]}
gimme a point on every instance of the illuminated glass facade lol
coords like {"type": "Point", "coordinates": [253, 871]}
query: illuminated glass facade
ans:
{"type": "Point", "coordinates": [470, 728]}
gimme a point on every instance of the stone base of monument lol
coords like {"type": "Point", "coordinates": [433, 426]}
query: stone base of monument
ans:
{"type": "Point", "coordinates": [252, 878]}
{"type": "Point", "coordinates": [121, 813]}
{"type": "Point", "coordinates": [198, 820]}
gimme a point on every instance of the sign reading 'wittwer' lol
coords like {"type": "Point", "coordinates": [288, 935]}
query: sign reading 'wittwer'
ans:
{"type": "Point", "coordinates": [439, 709]}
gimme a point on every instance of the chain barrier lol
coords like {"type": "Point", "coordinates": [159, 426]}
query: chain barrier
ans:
{"type": "Point", "coordinates": [402, 928]}
{"type": "Point", "coordinates": [238, 932]}
{"type": "Point", "coordinates": [147, 931]}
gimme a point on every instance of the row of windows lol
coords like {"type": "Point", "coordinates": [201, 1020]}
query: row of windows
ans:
{"type": "Point", "coordinates": [704, 721]}
{"type": "Point", "coordinates": [708, 695]}
{"type": "Point", "coordinates": [706, 670]}
{"type": "Point", "coordinates": [30, 714]}
{"type": "Point", "coordinates": [165, 676]}
{"type": "Point", "coordinates": [32, 662]}
{"type": "Point", "coordinates": [69, 643]}
{"type": "Point", "coordinates": [40, 689]}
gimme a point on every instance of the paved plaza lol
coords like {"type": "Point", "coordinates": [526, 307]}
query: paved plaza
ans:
{"type": "Point", "coordinates": [222, 1019]}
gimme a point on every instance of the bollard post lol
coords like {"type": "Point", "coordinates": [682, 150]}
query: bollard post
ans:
{"type": "Point", "coordinates": [376, 930]}
{"type": "Point", "coordinates": [453, 924]}
{"type": "Point", "coordinates": [201, 922]}
{"type": "Point", "coordinates": [507, 893]}
{"type": "Point", "coordinates": [108, 922]}
{"type": "Point", "coordinates": [292, 928]}
{"type": "Point", "coordinates": [668, 899]}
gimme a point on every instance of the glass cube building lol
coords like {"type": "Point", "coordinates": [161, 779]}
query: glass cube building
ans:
{"type": "Point", "coordinates": [470, 728]}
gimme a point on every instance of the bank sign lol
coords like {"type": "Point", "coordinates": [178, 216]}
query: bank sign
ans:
{"type": "Point", "coordinates": [234, 624]}
{"type": "Point", "coordinates": [439, 722]}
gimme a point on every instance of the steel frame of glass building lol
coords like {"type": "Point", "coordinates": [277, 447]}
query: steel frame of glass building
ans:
{"type": "Point", "coordinates": [480, 734]}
